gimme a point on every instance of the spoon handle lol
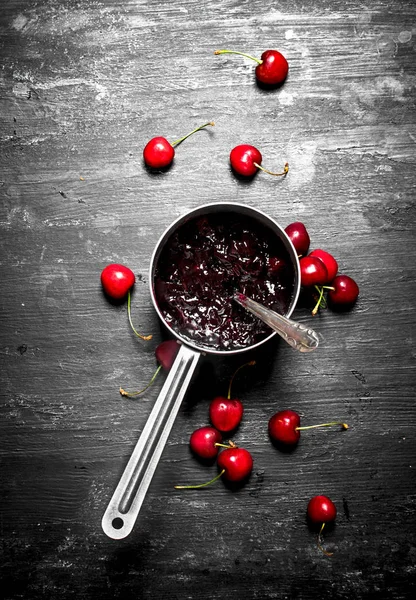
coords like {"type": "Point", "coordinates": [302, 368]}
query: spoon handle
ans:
{"type": "Point", "coordinates": [296, 335]}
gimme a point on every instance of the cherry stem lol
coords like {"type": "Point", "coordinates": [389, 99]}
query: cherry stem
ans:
{"type": "Point", "coordinates": [343, 425]}
{"type": "Point", "coordinates": [285, 170]}
{"type": "Point", "coordinates": [143, 337]}
{"type": "Point", "coordinates": [249, 364]}
{"type": "Point", "coordinates": [257, 60]}
{"type": "Point", "coordinates": [192, 132]}
{"type": "Point", "coordinates": [318, 304]}
{"type": "Point", "coordinates": [319, 542]}
{"type": "Point", "coordinates": [201, 485]}
{"type": "Point", "coordinates": [229, 445]}
{"type": "Point", "coordinates": [132, 394]}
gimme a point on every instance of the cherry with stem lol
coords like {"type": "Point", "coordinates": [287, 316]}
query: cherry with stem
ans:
{"type": "Point", "coordinates": [284, 427]}
{"type": "Point", "coordinates": [272, 68]}
{"type": "Point", "coordinates": [320, 511]}
{"type": "Point", "coordinates": [246, 160]}
{"type": "Point", "coordinates": [165, 355]}
{"type": "Point", "coordinates": [225, 413]}
{"type": "Point", "coordinates": [235, 463]}
{"type": "Point", "coordinates": [159, 152]}
{"type": "Point", "coordinates": [117, 281]}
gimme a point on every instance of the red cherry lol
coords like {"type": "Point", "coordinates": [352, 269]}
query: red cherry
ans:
{"type": "Point", "coordinates": [204, 440]}
{"type": "Point", "coordinates": [159, 153]}
{"type": "Point", "coordinates": [329, 262]}
{"type": "Point", "coordinates": [284, 427]}
{"type": "Point", "coordinates": [299, 237]}
{"type": "Point", "coordinates": [236, 463]}
{"type": "Point", "coordinates": [246, 159]}
{"type": "Point", "coordinates": [321, 510]}
{"type": "Point", "coordinates": [165, 355]}
{"type": "Point", "coordinates": [117, 280]}
{"type": "Point", "coordinates": [344, 293]}
{"type": "Point", "coordinates": [312, 271]}
{"type": "Point", "coordinates": [274, 68]}
{"type": "Point", "coordinates": [226, 413]}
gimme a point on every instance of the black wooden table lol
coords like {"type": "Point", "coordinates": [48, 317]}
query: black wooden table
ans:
{"type": "Point", "coordinates": [83, 86]}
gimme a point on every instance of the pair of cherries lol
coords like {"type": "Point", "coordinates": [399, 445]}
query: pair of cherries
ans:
{"type": "Point", "coordinates": [245, 160]}
{"type": "Point", "coordinates": [319, 270]}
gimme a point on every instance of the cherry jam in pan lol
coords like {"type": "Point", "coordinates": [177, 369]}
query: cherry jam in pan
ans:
{"type": "Point", "coordinates": [205, 262]}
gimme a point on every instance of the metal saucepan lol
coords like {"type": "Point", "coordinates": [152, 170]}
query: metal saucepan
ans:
{"type": "Point", "coordinates": [125, 504]}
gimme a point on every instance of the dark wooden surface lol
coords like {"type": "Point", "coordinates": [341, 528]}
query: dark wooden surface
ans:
{"type": "Point", "coordinates": [83, 86]}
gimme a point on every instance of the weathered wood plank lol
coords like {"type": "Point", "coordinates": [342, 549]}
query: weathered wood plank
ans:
{"type": "Point", "coordinates": [83, 86]}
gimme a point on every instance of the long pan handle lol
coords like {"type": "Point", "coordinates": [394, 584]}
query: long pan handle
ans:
{"type": "Point", "coordinates": [123, 509]}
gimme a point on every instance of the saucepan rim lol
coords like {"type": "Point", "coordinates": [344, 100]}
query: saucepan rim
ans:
{"type": "Point", "coordinates": [211, 207]}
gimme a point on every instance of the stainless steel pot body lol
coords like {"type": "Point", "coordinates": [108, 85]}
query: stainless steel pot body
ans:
{"type": "Point", "coordinates": [125, 504]}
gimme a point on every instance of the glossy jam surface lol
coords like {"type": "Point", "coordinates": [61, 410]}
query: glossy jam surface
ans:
{"type": "Point", "coordinates": [205, 262]}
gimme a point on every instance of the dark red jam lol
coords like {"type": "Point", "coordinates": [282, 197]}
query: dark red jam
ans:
{"type": "Point", "coordinates": [205, 262]}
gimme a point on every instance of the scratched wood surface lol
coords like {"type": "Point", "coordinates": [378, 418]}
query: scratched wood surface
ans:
{"type": "Point", "coordinates": [83, 86]}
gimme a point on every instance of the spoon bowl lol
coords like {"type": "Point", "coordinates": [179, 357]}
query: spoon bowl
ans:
{"type": "Point", "coordinates": [295, 334]}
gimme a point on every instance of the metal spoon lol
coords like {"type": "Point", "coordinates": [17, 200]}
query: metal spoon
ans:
{"type": "Point", "coordinates": [296, 335]}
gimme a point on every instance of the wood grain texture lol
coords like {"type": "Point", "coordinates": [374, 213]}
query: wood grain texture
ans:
{"type": "Point", "coordinates": [83, 86]}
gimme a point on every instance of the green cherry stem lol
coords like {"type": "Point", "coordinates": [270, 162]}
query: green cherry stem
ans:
{"type": "Point", "coordinates": [343, 425]}
{"type": "Point", "coordinates": [257, 60]}
{"type": "Point", "coordinates": [192, 132]}
{"type": "Point", "coordinates": [201, 485]}
{"type": "Point", "coordinates": [319, 302]}
{"type": "Point", "coordinates": [143, 337]}
{"type": "Point", "coordinates": [319, 542]}
{"type": "Point", "coordinates": [285, 170]}
{"type": "Point", "coordinates": [132, 394]}
{"type": "Point", "coordinates": [229, 445]}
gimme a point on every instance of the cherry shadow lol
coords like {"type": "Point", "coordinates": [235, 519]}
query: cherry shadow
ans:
{"type": "Point", "coordinates": [316, 527]}
{"type": "Point", "coordinates": [283, 448]}
{"type": "Point", "coordinates": [235, 486]}
{"type": "Point", "coordinates": [155, 172]}
{"type": "Point", "coordinates": [244, 179]}
{"type": "Point", "coordinates": [265, 87]}
{"type": "Point", "coordinates": [113, 301]}
{"type": "Point", "coordinates": [341, 308]}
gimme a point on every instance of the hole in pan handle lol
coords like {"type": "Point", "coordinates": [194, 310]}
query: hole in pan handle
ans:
{"type": "Point", "coordinates": [124, 506]}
